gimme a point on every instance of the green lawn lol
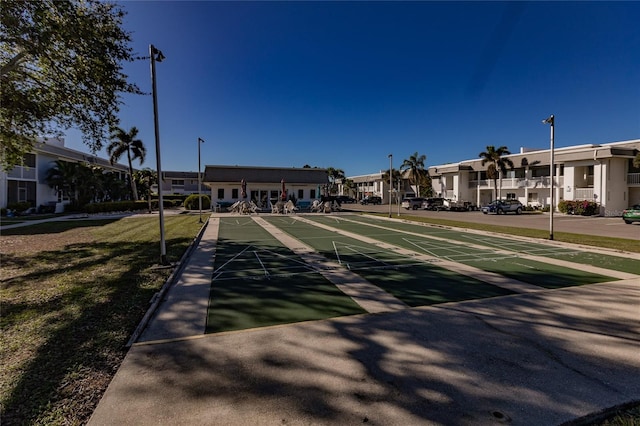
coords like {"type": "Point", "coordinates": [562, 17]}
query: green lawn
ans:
{"type": "Point", "coordinates": [69, 310]}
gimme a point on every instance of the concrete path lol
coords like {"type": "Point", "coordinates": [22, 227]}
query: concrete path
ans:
{"type": "Point", "coordinates": [536, 358]}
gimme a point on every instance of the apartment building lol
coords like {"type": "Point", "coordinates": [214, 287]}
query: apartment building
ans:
{"type": "Point", "coordinates": [603, 173]}
{"type": "Point", "coordinates": [26, 182]}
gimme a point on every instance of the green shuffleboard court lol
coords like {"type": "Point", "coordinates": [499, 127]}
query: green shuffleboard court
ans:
{"type": "Point", "coordinates": [258, 282]}
{"type": "Point", "coordinates": [414, 282]}
{"type": "Point", "coordinates": [617, 263]}
{"type": "Point", "coordinates": [492, 258]}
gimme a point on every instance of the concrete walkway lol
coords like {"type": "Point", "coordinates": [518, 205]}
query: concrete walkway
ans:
{"type": "Point", "coordinates": [536, 358]}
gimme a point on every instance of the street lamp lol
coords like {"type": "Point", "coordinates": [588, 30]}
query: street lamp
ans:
{"type": "Point", "coordinates": [390, 180]}
{"type": "Point", "coordinates": [200, 140]}
{"type": "Point", "coordinates": [550, 121]}
{"type": "Point", "coordinates": [157, 56]}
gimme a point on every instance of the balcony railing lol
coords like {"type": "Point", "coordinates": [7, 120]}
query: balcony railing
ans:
{"type": "Point", "coordinates": [633, 179]}
{"type": "Point", "coordinates": [515, 183]}
{"type": "Point", "coordinates": [583, 194]}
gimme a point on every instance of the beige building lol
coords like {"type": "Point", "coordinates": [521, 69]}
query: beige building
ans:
{"type": "Point", "coordinates": [263, 185]}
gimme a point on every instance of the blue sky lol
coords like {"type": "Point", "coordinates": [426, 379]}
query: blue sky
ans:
{"type": "Point", "coordinates": [344, 84]}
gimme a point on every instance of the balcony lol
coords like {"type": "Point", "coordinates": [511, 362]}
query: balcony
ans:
{"type": "Point", "coordinates": [633, 179]}
{"type": "Point", "coordinates": [515, 183]}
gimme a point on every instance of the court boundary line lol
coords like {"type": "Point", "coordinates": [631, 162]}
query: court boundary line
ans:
{"type": "Point", "coordinates": [460, 268]}
{"type": "Point", "coordinates": [549, 260]}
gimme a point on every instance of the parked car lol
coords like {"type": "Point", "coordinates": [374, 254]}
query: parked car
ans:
{"type": "Point", "coordinates": [345, 199]}
{"type": "Point", "coordinates": [372, 199]}
{"type": "Point", "coordinates": [433, 204]}
{"type": "Point", "coordinates": [632, 214]}
{"type": "Point", "coordinates": [503, 206]}
{"type": "Point", "coordinates": [413, 203]}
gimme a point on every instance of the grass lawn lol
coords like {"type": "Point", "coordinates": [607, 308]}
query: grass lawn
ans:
{"type": "Point", "coordinates": [72, 293]}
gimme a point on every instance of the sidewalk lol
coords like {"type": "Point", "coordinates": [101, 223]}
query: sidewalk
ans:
{"type": "Point", "coordinates": [539, 358]}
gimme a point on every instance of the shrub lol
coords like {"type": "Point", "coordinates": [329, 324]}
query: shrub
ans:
{"type": "Point", "coordinates": [116, 206]}
{"type": "Point", "coordinates": [191, 203]}
{"type": "Point", "coordinates": [578, 207]}
{"type": "Point", "coordinates": [19, 207]}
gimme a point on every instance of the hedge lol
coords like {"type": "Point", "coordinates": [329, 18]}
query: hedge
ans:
{"type": "Point", "coordinates": [579, 207]}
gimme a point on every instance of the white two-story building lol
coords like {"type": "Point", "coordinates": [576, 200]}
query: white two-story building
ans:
{"type": "Point", "coordinates": [603, 173]}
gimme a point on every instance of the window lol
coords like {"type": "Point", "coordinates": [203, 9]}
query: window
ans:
{"type": "Point", "coordinates": [511, 196]}
{"type": "Point", "coordinates": [177, 182]}
{"type": "Point", "coordinates": [234, 193]}
{"type": "Point", "coordinates": [312, 194]}
{"type": "Point", "coordinates": [220, 193]}
{"type": "Point", "coordinates": [29, 160]}
{"type": "Point", "coordinates": [274, 194]}
{"type": "Point", "coordinates": [300, 193]}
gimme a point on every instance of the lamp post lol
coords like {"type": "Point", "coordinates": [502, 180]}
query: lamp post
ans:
{"type": "Point", "coordinates": [551, 121]}
{"type": "Point", "coordinates": [390, 180]}
{"type": "Point", "coordinates": [157, 55]}
{"type": "Point", "coordinates": [200, 140]}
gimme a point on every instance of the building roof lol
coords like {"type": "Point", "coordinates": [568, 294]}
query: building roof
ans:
{"type": "Point", "coordinates": [218, 173]}
{"type": "Point", "coordinates": [71, 155]}
{"type": "Point", "coordinates": [541, 157]}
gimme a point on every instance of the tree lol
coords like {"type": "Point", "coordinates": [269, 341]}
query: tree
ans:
{"type": "Point", "coordinates": [396, 175]}
{"type": "Point", "coordinates": [415, 165]}
{"type": "Point", "coordinates": [78, 181]}
{"type": "Point", "coordinates": [349, 186]}
{"type": "Point", "coordinates": [123, 142]}
{"type": "Point", "coordinates": [636, 161]}
{"type": "Point", "coordinates": [334, 176]}
{"type": "Point", "coordinates": [60, 67]}
{"type": "Point", "coordinates": [497, 164]}
{"type": "Point", "coordinates": [62, 177]}
{"type": "Point", "coordinates": [144, 179]}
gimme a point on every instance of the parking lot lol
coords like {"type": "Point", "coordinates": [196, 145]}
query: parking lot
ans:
{"type": "Point", "coordinates": [600, 226]}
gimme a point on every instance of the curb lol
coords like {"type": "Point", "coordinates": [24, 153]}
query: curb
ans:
{"type": "Point", "coordinates": [158, 296]}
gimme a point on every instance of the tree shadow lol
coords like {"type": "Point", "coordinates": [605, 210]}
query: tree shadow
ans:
{"type": "Point", "coordinates": [104, 308]}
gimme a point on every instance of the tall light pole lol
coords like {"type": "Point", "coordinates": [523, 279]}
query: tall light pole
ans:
{"type": "Point", "coordinates": [390, 180]}
{"type": "Point", "coordinates": [200, 140]}
{"type": "Point", "coordinates": [550, 121]}
{"type": "Point", "coordinates": [157, 55]}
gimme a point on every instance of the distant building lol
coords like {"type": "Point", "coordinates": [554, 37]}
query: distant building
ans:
{"type": "Point", "coordinates": [263, 185]}
{"type": "Point", "coordinates": [179, 183]}
{"type": "Point", "coordinates": [603, 173]}
{"type": "Point", "coordinates": [26, 182]}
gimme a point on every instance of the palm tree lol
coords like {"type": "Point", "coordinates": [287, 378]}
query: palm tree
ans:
{"type": "Point", "coordinates": [62, 176]}
{"type": "Point", "coordinates": [415, 165]}
{"type": "Point", "coordinates": [349, 186]}
{"type": "Point", "coordinates": [498, 164]}
{"type": "Point", "coordinates": [396, 175]}
{"type": "Point", "coordinates": [334, 176]}
{"type": "Point", "coordinates": [144, 179]}
{"type": "Point", "coordinates": [122, 142]}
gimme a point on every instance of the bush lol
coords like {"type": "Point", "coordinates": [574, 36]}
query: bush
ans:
{"type": "Point", "coordinates": [19, 207]}
{"type": "Point", "coordinates": [578, 207]}
{"type": "Point", "coordinates": [191, 203]}
{"type": "Point", "coordinates": [116, 206]}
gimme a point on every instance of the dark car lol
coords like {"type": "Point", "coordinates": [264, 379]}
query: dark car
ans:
{"type": "Point", "coordinates": [345, 199]}
{"type": "Point", "coordinates": [503, 207]}
{"type": "Point", "coordinates": [371, 200]}
{"type": "Point", "coordinates": [632, 214]}
{"type": "Point", "coordinates": [433, 204]}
